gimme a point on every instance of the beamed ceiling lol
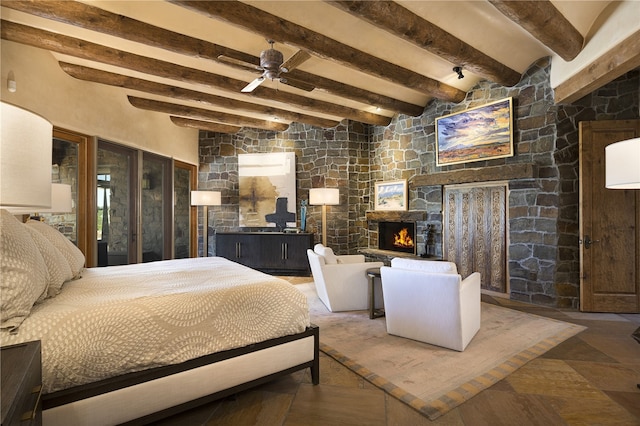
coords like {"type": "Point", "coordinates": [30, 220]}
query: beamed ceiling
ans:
{"type": "Point", "coordinates": [361, 60]}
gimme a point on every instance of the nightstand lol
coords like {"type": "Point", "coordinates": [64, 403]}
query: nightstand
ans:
{"type": "Point", "coordinates": [21, 382]}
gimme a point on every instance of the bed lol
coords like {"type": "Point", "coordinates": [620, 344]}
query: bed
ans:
{"type": "Point", "coordinates": [136, 343]}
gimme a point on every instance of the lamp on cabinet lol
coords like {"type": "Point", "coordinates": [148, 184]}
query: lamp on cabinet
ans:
{"type": "Point", "coordinates": [206, 199]}
{"type": "Point", "coordinates": [324, 197]}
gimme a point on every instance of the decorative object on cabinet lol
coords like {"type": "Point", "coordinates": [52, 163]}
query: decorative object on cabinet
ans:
{"type": "Point", "coordinates": [476, 134]}
{"type": "Point", "coordinates": [264, 179]}
{"type": "Point", "coordinates": [303, 215]}
{"type": "Point", "coordinates": [391, 195]}
{"type": "Point", "coordinates": [21, 381]}
{"type": "Point", "coordinates": [205, 199]}
{"type": "Point", "coordinates": [274, 252]}
{"type": "Point", "coordinates": [324, 197]}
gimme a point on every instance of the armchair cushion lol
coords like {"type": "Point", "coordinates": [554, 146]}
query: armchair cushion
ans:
{"type": "Point", "coordinates": [436, 266]}
{"type": "Point", "coordinates": [326, 252]}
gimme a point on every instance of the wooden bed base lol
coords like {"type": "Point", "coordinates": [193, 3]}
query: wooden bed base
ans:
{"type": "Point", "coordinates": [147, 396]}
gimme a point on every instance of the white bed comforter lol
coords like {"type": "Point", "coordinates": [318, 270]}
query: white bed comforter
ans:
{"type": "Point", "coordinates": [121, 319]}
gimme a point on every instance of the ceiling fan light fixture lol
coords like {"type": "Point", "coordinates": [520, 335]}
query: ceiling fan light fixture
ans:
{"type": "Point", "coordinates": [271, 59]}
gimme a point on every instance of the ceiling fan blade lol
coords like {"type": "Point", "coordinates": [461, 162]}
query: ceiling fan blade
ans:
{"type": "Point", "coordinates": [238, 62]}
{"type": "Point", "coordinates": [294, 61]}
{"type": "Point", "coordinates": [297, 84]}
{"type": "Point", "coordinates": [251, 86]}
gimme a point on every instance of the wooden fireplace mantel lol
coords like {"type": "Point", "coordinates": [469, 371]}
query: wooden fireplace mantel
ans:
{"type": "Point", "coordinates": [396, 216]}
{"type": "Point", "coordinates": [483, 174]}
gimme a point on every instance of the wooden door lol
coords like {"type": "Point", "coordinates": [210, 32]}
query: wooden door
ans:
{"type": "Point", "coordinates": [475, 232]}
{"type": "Point", "coordinates": [609, 225]}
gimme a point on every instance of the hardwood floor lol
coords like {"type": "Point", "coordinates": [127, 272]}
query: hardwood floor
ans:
{"type": "Point", "coordinates": [590, 379]}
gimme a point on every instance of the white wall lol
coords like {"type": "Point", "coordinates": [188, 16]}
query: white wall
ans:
{"type": "Point", "coordinates": [89, 108]}
{"type": "Point", "coordinates": [617, 22]}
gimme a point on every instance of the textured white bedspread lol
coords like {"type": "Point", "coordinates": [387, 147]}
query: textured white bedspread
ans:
{"type": "Point", "coordinates": [121, 319]}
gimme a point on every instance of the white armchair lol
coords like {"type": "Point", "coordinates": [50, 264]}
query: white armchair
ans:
{"type": "Point", "coordinates": [429, 301]}
{"type": "Point", "coordinates": [341, 281]}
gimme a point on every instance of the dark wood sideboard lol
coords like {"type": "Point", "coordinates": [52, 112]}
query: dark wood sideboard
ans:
{"type": "Point", "coordinates": [272, 252]}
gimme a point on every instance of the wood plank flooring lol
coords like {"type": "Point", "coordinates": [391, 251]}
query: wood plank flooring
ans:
{"type": "Point", "coordinates": [591, 379]}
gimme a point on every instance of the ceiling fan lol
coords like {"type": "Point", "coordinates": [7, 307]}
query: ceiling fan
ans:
{"type": "Point", "coordinates": [272, 66]}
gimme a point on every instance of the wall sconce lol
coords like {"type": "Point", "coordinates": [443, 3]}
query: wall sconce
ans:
{"type": "Point", "coordinates": [324, 197]}
{"type": "Point", "coordinates": [26, 145]}
{"type": "Point", "coordinates": [622, 164]}
{"type": "Point", "coordinates": [205, 199]}
{"type": "Point", "coordinates": [146, 181]}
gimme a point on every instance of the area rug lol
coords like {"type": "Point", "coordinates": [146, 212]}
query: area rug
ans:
{"type": "Point", "coordinates": [431, 379]}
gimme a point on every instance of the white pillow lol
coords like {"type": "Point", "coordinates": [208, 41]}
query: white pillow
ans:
{"type": "Point", "coordinates": [74, 256]}
{"type": "Point", "coordinates": [425, 265]}
{"type": "Point", "coordinates": [326, 252]}
{"type": "Point", "coordinates": [24, 273]}
{"type": "Point", "coordinates": [57, 265]}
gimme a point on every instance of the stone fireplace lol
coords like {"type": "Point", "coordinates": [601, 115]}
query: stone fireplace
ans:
{"type": "Point", "coordinates": [397, 236]}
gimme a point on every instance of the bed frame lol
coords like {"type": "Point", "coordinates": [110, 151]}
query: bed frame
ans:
{"type": "Point", "coordinates": [147, 396]}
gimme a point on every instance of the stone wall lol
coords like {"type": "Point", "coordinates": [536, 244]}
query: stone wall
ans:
{"type": "Point", "coordinates": [337, 158]}
{"type": "Point", "coordinates": [543, 212]}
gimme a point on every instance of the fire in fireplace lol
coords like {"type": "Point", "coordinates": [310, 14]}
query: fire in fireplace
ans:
{"type": "Point", "coordinates": [397, 236]}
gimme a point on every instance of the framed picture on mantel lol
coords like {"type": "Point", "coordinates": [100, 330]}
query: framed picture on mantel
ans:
{"type": "Point", "coordinates": [477, 134]}
{"type": "Point", "coordinates": [391, 195]}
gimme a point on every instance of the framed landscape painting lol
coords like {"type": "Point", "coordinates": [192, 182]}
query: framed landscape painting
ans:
{"type": "Point", "coordinates": [391, 195]}
{"type": "Point", "coordinates": [481, 133]}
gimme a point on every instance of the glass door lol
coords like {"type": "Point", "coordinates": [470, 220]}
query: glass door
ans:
{"type": "Point", "coordinates": [156, 201]}
{"type": "Point", "coordinates": [115, 201]}
{"type": "Point", "coordinates": [184, 179]}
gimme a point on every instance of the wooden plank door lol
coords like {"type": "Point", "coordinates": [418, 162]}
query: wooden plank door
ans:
{"type": "Point", "coordinates": [475, 232]}
{"type": "Point", "coordinates": [609, 225]}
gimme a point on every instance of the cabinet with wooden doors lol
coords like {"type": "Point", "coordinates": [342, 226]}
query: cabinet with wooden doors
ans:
{"type": "Point", "coordinates": [274, 252]}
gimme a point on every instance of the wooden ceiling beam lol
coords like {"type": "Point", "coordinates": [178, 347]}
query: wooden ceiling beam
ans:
{"type": "Point", "coordinates": [283, 31]}
{"type": "Point", "coordinates": [543, 21]}
{"type": "Point", "coordinates": [118, 80]}
{"type": "Point", "coordinates": [86, 50]}
{"type": "Point", "coordinates": [204, 114]}
{"type": "Point", "coordinates": [410, 27]}
{"type": "Point", "coordinates": [204, 125]}
{"type": "Point", "coordinates": [622, 58]}
{"type": "Point", "coordinates": [96, 19]}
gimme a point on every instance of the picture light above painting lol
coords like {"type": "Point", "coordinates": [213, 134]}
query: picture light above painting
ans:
{"type": "Point", "coordinates": [477, 134]}
{"type": "Point", "coordinates": [267, 184]}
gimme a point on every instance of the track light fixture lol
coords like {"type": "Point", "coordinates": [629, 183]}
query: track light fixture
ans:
{"type": "Point", "coordinates": [459, 71]}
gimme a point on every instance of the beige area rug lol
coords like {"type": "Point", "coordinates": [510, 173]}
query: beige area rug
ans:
{"type": "Point", "coordinates": [431, 379]}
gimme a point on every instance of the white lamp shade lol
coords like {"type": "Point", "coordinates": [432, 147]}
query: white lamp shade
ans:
{"type": "Point", "coordinates": [61, 201]}
{"type": "Point", "coordinates": [324, 196]}
{"type": "Point", "coordinates": [26, 141]}
{"type": "Point", "coordinates": [622, 164]}
{"type": "Point", "coordinates": [206, 198]}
